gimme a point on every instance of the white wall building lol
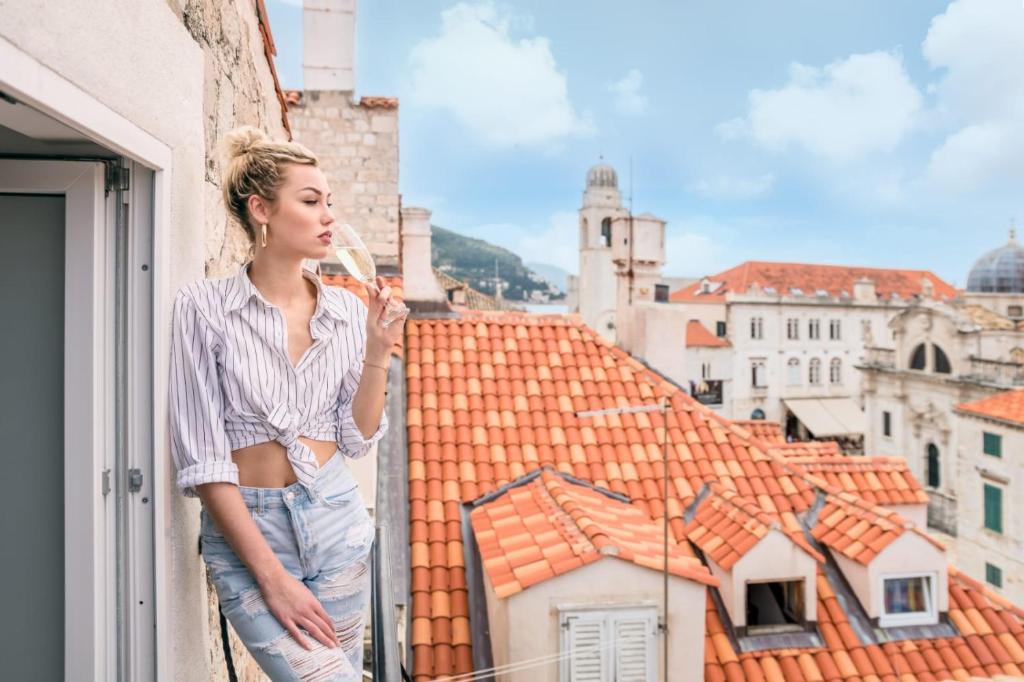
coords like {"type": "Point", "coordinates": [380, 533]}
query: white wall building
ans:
{"type": "Point", "coordinates": [942, 356]}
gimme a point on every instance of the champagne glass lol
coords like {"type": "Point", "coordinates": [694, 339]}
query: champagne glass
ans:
{"type": "Point", "coordinates": [354, 255]}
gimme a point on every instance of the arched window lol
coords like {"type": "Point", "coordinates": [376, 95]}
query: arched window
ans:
{"type": "Point", "coordinates": [932, 466]}
{"type": "Point", "coordinates": [835, 371]}
{"type": "Point", "coordinates": [917, 360]}
{"type": "Point", "coordinates": [606, 232]}
{"type": "Point", "coordinates": [814, 372]}
{"type": "Point", "coordinates": [793, 372]}
{"type": "Point", "coordinates": [941, 361]}
{"type": "Point", "coordinates": [758, 413]}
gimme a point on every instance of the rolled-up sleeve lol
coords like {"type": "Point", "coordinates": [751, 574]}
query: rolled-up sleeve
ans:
{"type": "Point", "coordinates": [199, 444]}
{"type": "Point", "coordinates": [351, 441]}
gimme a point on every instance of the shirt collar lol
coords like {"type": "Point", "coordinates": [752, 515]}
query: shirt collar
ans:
{"type": "Point", "coordinates": [241, 290]}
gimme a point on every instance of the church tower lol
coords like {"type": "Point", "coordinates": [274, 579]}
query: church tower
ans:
{"type": "Point", "coordinates": [596, 286]}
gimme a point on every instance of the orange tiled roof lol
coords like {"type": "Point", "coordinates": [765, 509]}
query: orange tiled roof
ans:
{"type": "Point", "coordinates": [294, 97]}
{"type": "Point", "coordinates": [1006, 406]}
{"type": "Point", "coordinates": [809, 448]}
{"type": "Point", "coordinates": [810, 278]}
{"type": "Point", "coordinates": [858, 529]}
{"type": "Point", "coordinates": [491, 397]}
{"type": "Point", "coordinates": [991, 643]}
{"type": "Point", "coordinates": [550, 526]}
{"type": "Point", "coordinates": [269, 50]}
{"type": "Point", "coordinates": [877, 479]}
{"type": "Point", "coordinates": [769, 432]}
{"type": "Point", "coordinates": [726, 527]}
{"type": "Point", "coordinates": [699, 336]}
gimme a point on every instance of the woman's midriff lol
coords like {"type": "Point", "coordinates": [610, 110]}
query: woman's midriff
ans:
{"type": "Point", "coordinates": [266, 465]}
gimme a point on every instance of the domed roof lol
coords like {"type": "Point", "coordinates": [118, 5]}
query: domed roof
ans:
{"type": "Point", "coordinates": [1000, 270]}
{"type": "Point", "coordinates": [602, 175]}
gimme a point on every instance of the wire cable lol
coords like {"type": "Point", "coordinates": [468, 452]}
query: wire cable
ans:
{"type": "Point", "coordinates": [527, 663]}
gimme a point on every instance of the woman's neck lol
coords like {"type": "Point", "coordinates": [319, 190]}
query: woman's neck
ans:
{"type": "Point", "coordinates": [281, 282]}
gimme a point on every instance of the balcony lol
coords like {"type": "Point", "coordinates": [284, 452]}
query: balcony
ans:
{"type": "Point", "coordinates": [994, 372]}
{"type": "Point", "coordinates": [942, 512]}
{"type": "Point", "coordinates": [880, 358]}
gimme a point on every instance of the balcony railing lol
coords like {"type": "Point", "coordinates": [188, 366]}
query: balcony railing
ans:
{"type": "Point", "coordinates": [384, 639]}
{"type": "Point", "coordinates": [880, 357]}
{"type": "Point", "coordinates": [997, 372]}
{"type": "Point", "coordinates": [942, 512]}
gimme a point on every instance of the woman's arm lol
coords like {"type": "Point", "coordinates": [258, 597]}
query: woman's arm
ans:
{"type": "Point", "coordinates": [289, 600]}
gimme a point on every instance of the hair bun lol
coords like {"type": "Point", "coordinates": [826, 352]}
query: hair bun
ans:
{"type": "Point", "coordinates": [241, 140]}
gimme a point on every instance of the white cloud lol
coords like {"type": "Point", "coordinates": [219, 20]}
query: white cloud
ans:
{"type": "Point", "coordinates": [689, 254]}
{"type": "Point", "coordinates": [733, 187]}
{"type": "Point", "coordinates": [979, 45]}
{"type": "Point", "coordinates": [628, 98]}
{"type": "Point", "coordinates": [504, 91]}
{"type": "Point", "coordinates": [844, 111]}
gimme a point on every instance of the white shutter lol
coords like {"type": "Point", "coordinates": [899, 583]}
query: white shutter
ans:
{"type": "Point", "coordinates": [585, 647]}
{"type": "Point", "coordinates": [614, 645]}
{"type": "Point", "coordinates": [635, 651]}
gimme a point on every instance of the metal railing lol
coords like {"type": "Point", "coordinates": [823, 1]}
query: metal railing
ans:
{"type": "Point", "coordinates": [384, 638]}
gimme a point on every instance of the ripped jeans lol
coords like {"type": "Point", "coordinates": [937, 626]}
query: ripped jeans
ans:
{"type": "Point", "coordinates": [323, 542]}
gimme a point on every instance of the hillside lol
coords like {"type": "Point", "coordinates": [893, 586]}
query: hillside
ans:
{"type": "Point", "coordinates": [473, 260]}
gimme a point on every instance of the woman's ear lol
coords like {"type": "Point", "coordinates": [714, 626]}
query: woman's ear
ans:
{"type": "Point", "coordinates": [259, 211]}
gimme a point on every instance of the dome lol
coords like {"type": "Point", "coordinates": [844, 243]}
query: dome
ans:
{"type": "Point", "coordinates": [1001, 270]}
{"type": "Point", "coordinates": [602, 175]}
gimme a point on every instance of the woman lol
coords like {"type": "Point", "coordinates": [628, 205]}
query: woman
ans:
{"type": "Point", "coordinates": [275, 380]}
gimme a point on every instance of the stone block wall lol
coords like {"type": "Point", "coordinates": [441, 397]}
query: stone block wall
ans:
{"type": "Point", "coordinates": [357, 144]}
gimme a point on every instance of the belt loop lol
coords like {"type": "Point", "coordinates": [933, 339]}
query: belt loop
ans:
{"type": "Point", "coordinates": [260, 501]}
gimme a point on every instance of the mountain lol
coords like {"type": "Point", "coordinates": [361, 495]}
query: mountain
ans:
{"type": "Point", "coordinates": [552, 273]}
{"type": "Point", "coordinates": [473, 260]}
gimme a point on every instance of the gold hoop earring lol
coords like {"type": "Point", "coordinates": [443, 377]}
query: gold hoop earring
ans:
{"type": "Point", "coordinates": [264, 240]}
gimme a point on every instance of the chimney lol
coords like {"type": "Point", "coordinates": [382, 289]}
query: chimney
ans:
{"type": "Point", "coordinates": [864, 291]}
{"type": "Point", "coordinates": [419, 283]}
{"type": "Point", "coordinates": [329, 45]}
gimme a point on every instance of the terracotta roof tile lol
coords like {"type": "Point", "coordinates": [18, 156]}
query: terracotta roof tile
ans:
{"type": "Point", "coordinates": [813, 448]}
{"type": "Point", "coordinates": [859, 530]}
{"type": "Point", "coordinates": [769, 432]}
{"type": "Point", "coordinates": [699, 336]}
{"type": "Point", "coordinates": [809, 278]}
{"type": "Point", "coordinates": [877, 479]}
{"type": "Point", "coordinates": [357, 288]}
{"type": "Point", "coordinates": [1006, 406]}
{"type": "Point", "coordinates": [496, 409]}
{"type": "Point", "coordinates": [725, 526]}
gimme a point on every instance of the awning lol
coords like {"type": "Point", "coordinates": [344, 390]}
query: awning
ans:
{"type": "Point", "coordinates": [828, 416]}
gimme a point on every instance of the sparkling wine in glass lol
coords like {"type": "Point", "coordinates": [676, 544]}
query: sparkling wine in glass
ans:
{"type": "Point", "coordinates": [353, 254]}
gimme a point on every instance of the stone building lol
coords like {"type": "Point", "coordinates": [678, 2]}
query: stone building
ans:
{"type": "Point", "coordinates": [944, 355]}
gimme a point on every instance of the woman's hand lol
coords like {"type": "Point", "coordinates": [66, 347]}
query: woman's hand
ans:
{"type": "Point", "coordinates": [380, 339]}
{"type": "Point", "coordinates": [294, 606]}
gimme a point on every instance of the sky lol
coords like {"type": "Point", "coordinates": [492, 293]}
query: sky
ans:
{"type": "Point", "coordinates": [870, 133]}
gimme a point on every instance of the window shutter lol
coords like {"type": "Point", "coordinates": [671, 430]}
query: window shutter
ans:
{"type": "Point", "coordinates": [635, 651]}
{"type": "Point", "coordinates": [586, 648]}
{"type": "Point", "coordinates": [993, 444]}
{"type": "Point", "coordinates": [993, 508]}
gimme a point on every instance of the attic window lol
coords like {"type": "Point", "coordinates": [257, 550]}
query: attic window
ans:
{"type": "Point", "coordinates": [821, 293]}
{"type": "Point", "coordinates": [796, 291]}
{"type": "Point", "coordinates": [907, 600]}
{"type": "Point", "coordinates": [775, 607]}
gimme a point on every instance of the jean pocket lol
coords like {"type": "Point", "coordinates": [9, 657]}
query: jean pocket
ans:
{"type": "Point", "coordinates": [341, 494]}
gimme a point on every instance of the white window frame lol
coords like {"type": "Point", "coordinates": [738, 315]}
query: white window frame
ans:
{"type": "Point", "coordinates": [608, 615]}
{"type": "Point", "coordinates": [814, 372]}
{"type": "Point", "coordinates": [814, 329]}
{"type": "Point", "coordinates": [757, 328]}
{"type": "Point", "coordinates": [835, 330]}
{"type": "Point", "coordinates": [835, 372]}
{"type": "Point", "coordinates": [755, 365]}
{"type": "Point", "coordinates": [926, 617]}
{"type": "Point", "coordinates": [794, 375]}
{"type": "Point", "coordinates": [793, 329]}
{"type": "Point", "coordinates": [35, 85]}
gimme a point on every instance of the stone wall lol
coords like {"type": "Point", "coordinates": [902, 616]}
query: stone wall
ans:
{"type": "Point", "coordinates": [357, 144]}
{"type": "Point", "coordinates": [239, 88]}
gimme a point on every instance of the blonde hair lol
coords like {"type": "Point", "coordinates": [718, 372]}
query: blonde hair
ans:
{"type": "Point", "coordinates": [253, 164]}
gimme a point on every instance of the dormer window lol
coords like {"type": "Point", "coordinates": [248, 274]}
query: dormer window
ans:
{"type": "Point", "coordinates": [908, 599]}
{"type": "Point", "coordinates": [796, 291]}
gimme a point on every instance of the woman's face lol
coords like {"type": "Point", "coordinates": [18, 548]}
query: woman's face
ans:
{"type": "Point", "coordinates": [300, 219]}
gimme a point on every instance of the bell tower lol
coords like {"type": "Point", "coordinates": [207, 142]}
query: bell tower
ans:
{"type": "Point", "coordinates": [596, 292]}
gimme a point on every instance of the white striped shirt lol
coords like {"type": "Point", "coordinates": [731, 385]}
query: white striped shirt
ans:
{"type": "Point", "coordinates": [232, 383]}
